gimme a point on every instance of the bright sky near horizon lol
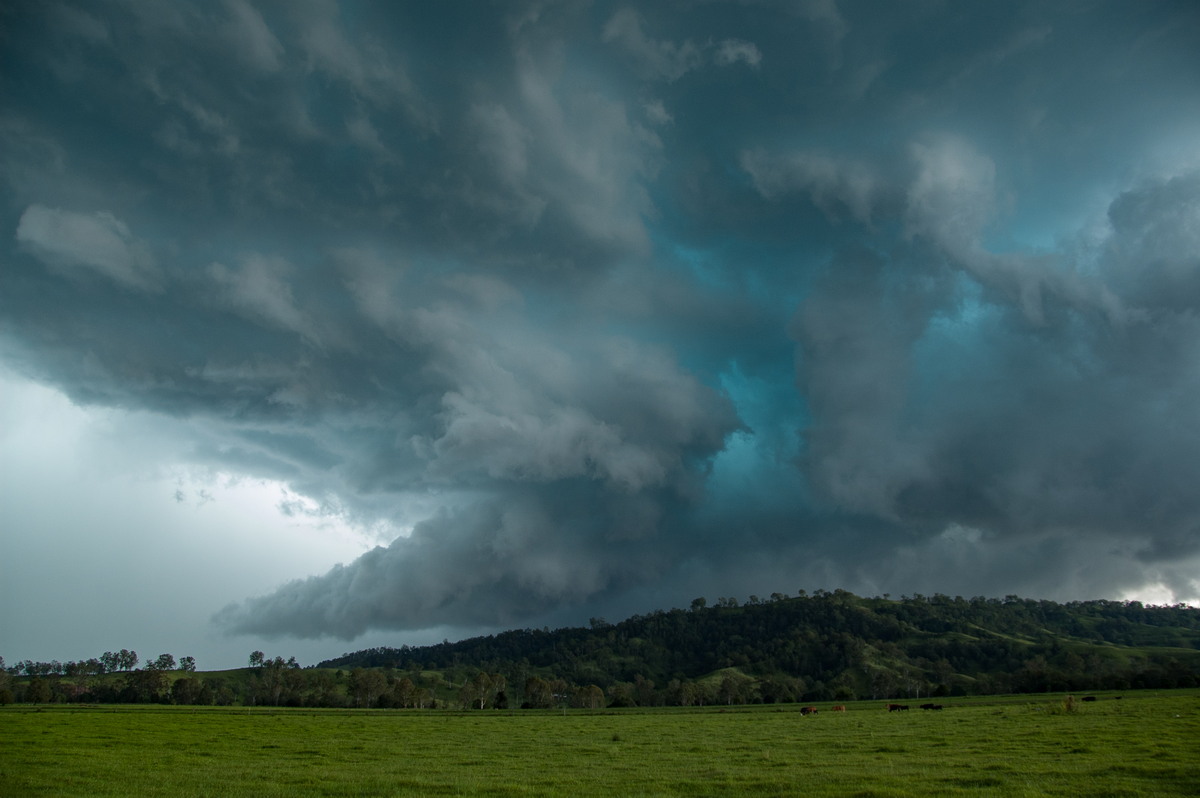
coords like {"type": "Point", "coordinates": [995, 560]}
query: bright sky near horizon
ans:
{"type": "Point", "coordinates": [327, 325]}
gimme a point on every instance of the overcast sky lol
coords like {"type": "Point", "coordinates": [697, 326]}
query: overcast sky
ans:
{"type": "Point", "coordinates": [330, 325]}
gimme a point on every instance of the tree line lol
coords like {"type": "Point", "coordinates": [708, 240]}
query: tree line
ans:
{"type": "Point", "coordinates": [108, 662]}
{"type": "Point", "coordinates": [823, 646]}
{"type": "Point", "coordinates": [78, 680]}
{"type": "Point", "coordinates": [835, 645]}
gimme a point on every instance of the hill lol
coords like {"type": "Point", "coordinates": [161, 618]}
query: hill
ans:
{"type": "Point", "coordinates": [838, 645]}
{"type": "Point", "coordinates": [819, 647]}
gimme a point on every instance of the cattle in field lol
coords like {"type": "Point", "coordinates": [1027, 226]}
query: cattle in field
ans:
{"type": "Point", "coordinates": [1089, 698]}
{"type": "Point", "coordinates": [931, 706]}
{"type": "Point", "coordinates": [897, 707]}
{"type": "Point", "coordinates": [808, 710]}
{"type": "Point", "coordinates": [839, 708]}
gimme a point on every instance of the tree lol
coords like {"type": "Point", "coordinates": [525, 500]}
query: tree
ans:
{"type": "Point", "coordinates": [5, 684]}
{"type": "Point", "coordinates": [273, 682]}
{"type": "Point", "coordinates": [322, 690]}
{"type": "Point", "coordinates": [621, 695]}
{"type": "Point", "coordinates": [187, 664]}
{"type": "Point", "coordinates": [366, 685]}
{"type": "Point", "coordinates": [643, 691]}
{"type": "Point", "coordinates": [165, 662]}
{"type": "Point", "coordinates": [538, 693]}
{"type": "Point", "coordinates": [187, 691]}
{"type": "Point", "coordinates": [591, 697]}
{"type": "Point", "coordinates": [481, 690]}
{"type": "Point", "coordinates": [144, 686]}
{"type": "Point", "coordinates": [404, 692]}
{"type": "Point", "coordinates": [777, 689]}
{"type": "Point", "coordinates": [37, 691]}
{"type": "Point", "coordinates": [127, 660]}
{"type": "Point", "coordinates": [110, 661]}
{"type": "Point", "coordinates": [256, 659]}
{"type": "Point", "coordinates": [734, 689]}
{"type": "Point", "coordinates": [471, 693]}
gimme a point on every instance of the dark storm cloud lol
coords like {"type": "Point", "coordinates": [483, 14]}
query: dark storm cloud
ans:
{"type": "Point", "coordinates": [1056, 410]}
{"type": "Point", "coordinates": [584, 302]}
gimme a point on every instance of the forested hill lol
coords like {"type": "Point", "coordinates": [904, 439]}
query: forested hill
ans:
{"type": "Point", "coordinates": [841, 645]}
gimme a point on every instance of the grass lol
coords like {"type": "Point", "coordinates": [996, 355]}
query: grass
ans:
{"type": "Point", "coordinates": [1143, 745]}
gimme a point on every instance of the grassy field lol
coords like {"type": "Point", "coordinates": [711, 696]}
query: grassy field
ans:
{"type": "Point", "coordinates": [1145, 744]}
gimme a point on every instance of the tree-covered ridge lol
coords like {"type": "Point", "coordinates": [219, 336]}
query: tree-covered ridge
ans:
{"type": "Point", "coordinates": [825, 646]}
{"type": "Point", "coordinates": [837, 643]}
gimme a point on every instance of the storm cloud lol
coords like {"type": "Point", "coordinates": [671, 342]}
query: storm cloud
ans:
{"type": "Point", "coordinates": [596, 307]}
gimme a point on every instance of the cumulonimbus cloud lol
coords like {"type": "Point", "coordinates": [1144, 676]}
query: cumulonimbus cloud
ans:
{"type": "Point", "coordinates": [615, 305]}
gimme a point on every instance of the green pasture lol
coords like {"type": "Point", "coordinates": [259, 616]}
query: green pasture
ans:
{"type": "Point", "coordinates": [1145, 744]}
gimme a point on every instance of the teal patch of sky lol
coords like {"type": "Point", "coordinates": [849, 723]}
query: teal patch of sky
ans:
{"type": "Point", "coordinates": [754, 245]}
{"type": "Point", "coordinates": [956, 349]}
{"type": "Point", "coordinates": [1046, 198]}
{"type": "Point", "coordinates": [1034, 228]}
{"type": "Point", "coordinates": [1050, 213]}
{"type": "Point", "coordinates": [708, 269]}
{"type": "Point", "coordinates": [758, 463]}
{"type": "Point", "coordinates": [721, 271]}
{"type": "Point", "coordinates": [751, 360]}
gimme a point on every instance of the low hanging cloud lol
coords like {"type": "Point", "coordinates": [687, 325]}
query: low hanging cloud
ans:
{"type": "Point", "coordinates": [100, 242]}
{"type": "Point", "coordinates": [261, 290]}
{"type": "Point", "coordinates": [492, 562]}
{"type": "Point", "coordinates": [620, 306]}
{"type": "Point", "coordinates": [936, 411]}
{"type": "Point", "coordinates": [551, 463]}
{"type": "Point", "coordinates": [557, 468]}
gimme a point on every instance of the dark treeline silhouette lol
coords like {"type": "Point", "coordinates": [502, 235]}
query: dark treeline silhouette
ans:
{"type": "Point", "coordinates": [108, 662]}
{"type": "Point", "coordinates": [267, 682]}
{"type": "Point", "coordinates": [824, 646]}
{"type": "Point", "coordinates": [835, 645]}
{"type": "Point", "coordinates": [82, 680]}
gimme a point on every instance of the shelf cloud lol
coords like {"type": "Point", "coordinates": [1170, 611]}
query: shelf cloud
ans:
{"type": "Point", "coordinates": [594, 308]}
